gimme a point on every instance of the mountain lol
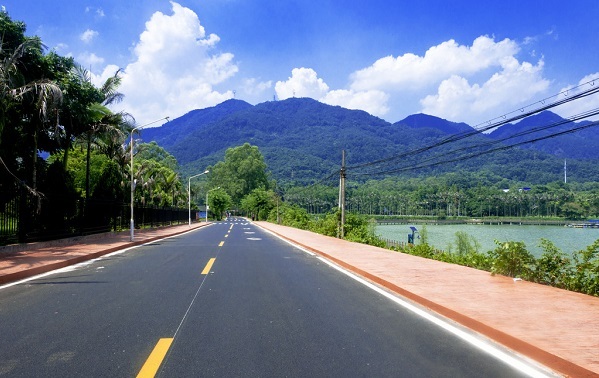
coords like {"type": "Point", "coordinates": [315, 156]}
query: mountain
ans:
{"type": "Point", "coordinates": [418, 121]}
{"type": "Point", "coordinates": [178, 129]}
{"type": "Point", "coordinates": [302, 139]}
{"type": "Point", "coordinates": [583, 144]}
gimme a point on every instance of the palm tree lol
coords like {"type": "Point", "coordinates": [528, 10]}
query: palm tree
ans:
{"type": "Point", "coordinates": [45, 94]}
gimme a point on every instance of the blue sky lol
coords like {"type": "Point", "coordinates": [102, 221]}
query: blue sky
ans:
{"type": "Point", "coordinates": [466, 61]}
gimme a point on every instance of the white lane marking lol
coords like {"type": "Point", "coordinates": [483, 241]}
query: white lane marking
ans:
{"type": "Point", "coordinates": [254, 238]}
{"type": "Point", "coordinates": [249, 232]}
{"type": "Point", "coordinates": [523, 364]}
{"type": "Point", "coordinates": [71, 268]}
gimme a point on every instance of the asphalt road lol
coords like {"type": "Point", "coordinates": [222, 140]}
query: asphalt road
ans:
{"type": "Point", "coordinates": [228, 300]}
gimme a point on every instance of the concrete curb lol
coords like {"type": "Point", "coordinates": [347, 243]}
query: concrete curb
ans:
{"type": "Point", "coordinates": [543, 357]}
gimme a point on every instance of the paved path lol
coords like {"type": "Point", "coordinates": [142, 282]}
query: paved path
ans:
{"type": "Point", "coordinates": [557, 328]}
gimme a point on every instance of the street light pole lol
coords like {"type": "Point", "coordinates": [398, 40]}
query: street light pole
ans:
{"type": "Point", "coordinates": [189, 192]}
{"type": "Point", "coordinates": [207, 201]}
{"type": "Point", "coordinates": [132, 222]}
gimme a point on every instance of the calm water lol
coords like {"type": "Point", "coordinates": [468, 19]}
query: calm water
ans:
{"type": "Point", "coordinates": [441, 236]}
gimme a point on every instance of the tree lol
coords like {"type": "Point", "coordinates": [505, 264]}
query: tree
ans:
{"type": "Point", "coordinates": [258, 203]}
{"type": "Point", "coordinates": [219, 201]}
{"type": "Point", "coordinates": [242, 171]}
{"type": "Point", "coordinates": [157, 176]}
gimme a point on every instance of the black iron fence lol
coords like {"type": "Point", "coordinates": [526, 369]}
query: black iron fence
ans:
{"type": "Point", "coordinates": [27, 218]}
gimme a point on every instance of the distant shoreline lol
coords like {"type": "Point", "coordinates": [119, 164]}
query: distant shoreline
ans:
{"type": "Point", "coordinates": [487, 221]}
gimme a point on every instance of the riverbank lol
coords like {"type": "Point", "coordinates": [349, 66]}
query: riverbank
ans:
{"type": "Point", "coordinates": [487, 221]}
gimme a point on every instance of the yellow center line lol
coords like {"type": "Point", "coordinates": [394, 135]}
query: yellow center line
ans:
{"type": "Point", "coordinates": [208, 266]}
{"type": "Point", "coordinates": [226, 236]}
{"type": "Point", "coordinates": [153, 362]}
{"type": "Point", "coordinates": [221, 244]}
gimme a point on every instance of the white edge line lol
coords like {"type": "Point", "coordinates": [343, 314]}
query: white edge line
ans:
{"type": "Point", "coordinates": [88, 262]}
{"type": "Point", "coordinates": [532, 368]}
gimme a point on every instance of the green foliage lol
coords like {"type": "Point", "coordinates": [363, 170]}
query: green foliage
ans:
{"type": "Point", "coordinates": [553, 267]}
{"type": "Point", "coordinates": [512, 259]}
{"type": "Point", "coordinates": [325, 225]}
{"type": "Point", "coordinates": [110, 184]}
{"type": "Point", "coordinates": [466, 244]}
{"type": "Point", "coordinates": [290, 215]}
{"type": "Point", "coordinates": [359, 229]}
{"type": "Point", "coordinates": [218, 201]}
{"type": "Point", "coordinates": [586, 270]}
{"type": "Point", "coordinates": [423, 235]}
{"type": "Point", "coordinates": [242, 171]}
{"type": "Point", "coordinates": [259, 202]}
{"type": "Point", "coordinates": [158, 182]}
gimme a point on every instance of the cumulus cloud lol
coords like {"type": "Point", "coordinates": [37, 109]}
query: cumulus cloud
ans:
{"type": "Point", "coordinates": [88, 59]}
{"type": "Point", "coordinates": [88, 35]}
{"type": "Point", "coordinates": [304, 82]}
{"type": "Point", "coordinates": [582, 105]}
{"type": "Point", "coordinates": [457, 99]}
{"type": "Point", "coordinates": [372, 101]}
{"type": "Point", "coordinates": [439, 62]}
{"type": "Point", "coordinates": [175, 69]}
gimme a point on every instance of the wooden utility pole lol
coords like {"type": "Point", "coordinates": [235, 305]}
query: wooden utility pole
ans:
{"type": "Point", "coordinates": [342, 196]}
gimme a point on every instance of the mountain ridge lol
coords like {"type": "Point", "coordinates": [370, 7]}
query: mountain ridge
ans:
{"type": "Point", "coordinates": [302, 138]}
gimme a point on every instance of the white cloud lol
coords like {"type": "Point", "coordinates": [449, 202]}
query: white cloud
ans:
{"type": "Point", "coordinates": [88, 60]}
{"type": "Point", "coordinates": [411, 71]}
{"type": "Point", "coordinates": [581, 105]}
{"type": "Point", "coordinates": [175, 69]}
{"type": "Point", "coordinates": [372, 101]}
{"type": "Point", "coordinates": [88, 35]}
{"type": "Point", "coordinates": [98, 11]}
{"type": "Point", "coordinates": [458, 100]}
{"type": "Point", "coordinates": [253, 87]}
{"type": "Point", "coordinates": [60, 47]}
{"type": "Point", "coordinates": [304, 82]}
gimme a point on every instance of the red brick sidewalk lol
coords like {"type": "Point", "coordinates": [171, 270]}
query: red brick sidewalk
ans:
{"type": "Point", "coordinates": [557, 328]}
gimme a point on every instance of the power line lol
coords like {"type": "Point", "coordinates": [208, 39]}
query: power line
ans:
{"type": "Point", "coordinates": [519, 134]}
{"type": "Point", "coordinates": [462, 158]}
{"type": "Point", "coordinates": [491, 125]}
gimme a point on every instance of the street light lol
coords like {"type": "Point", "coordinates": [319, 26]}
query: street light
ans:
{"type": "Point", "coordinates": [132, 223]}
{"type": "Point", "coordinates": [189, 192]}
{"type": "Point", "coordinates": [207, 201]}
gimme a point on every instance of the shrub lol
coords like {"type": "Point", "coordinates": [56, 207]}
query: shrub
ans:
{"type": "Point", "coordinates": [586, 276]}
{"type": "Point", "coordinates": [512, 259]}
{"type": "Point", "coordinates": [553, 267]}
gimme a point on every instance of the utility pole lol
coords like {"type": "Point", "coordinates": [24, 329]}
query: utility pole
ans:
{"type": "Point", "coordinates": [342, 196]}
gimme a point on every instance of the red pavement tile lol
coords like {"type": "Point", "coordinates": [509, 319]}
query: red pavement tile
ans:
{"type": "Point", "coordinates": [555, 327]}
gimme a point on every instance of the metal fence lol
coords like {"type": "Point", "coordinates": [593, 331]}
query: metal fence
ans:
{"type": "Point", "coordinates": [26, 218]}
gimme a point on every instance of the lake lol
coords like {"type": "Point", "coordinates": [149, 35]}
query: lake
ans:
{"type": "Point", "coordinates": [441, 236]}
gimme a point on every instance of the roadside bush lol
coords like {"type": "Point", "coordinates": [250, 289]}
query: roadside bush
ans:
{"type": "Point", "coordinates": [290, 215]}
{"type": "Point", "coordinates": [586, 270]}
{"type": "Point", "coordinates": [553, 267]}
{"type": "Point", "coordinates": [512, 259]}
{"type": "Point", "coordinates": [465, 243]}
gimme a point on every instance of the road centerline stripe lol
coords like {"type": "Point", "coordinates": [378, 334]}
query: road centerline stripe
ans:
{"type": "Point", "coordinates": [221, 244]}
{"type": "Point", "coordinates": [153, 362]}
{"type": "Point", "coordinates": [208, 266]}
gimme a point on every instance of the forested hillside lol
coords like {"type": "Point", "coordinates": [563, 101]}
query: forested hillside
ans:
{"type": "Point", "coordinates": [302, 140]}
